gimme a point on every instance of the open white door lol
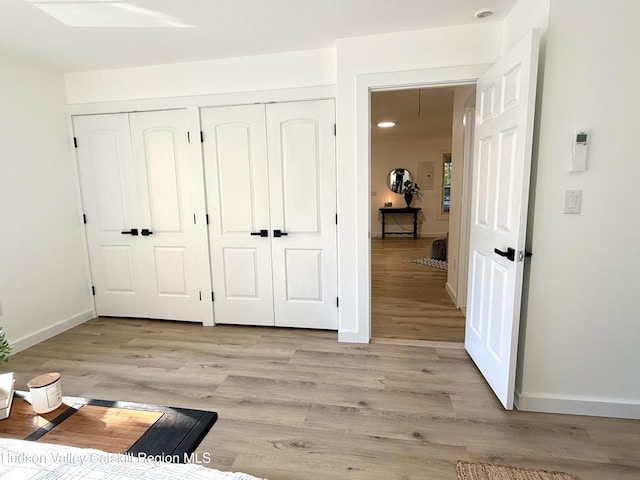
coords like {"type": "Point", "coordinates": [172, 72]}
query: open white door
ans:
{"type": "Point", "coordinates": [505, 104]}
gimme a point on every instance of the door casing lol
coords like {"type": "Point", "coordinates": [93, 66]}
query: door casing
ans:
{"type": "Point", "coordinates": [365, 84]}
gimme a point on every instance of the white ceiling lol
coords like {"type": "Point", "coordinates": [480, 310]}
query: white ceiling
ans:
{"type": "Point", "coordinates": [419, 114]}
{"type": "Point", "coordinates": [221, 29]}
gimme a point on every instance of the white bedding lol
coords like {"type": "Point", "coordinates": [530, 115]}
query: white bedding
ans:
{"type": "Point", "coordinates": [23, 460]}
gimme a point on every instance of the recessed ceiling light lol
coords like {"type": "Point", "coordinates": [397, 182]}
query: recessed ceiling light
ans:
{"type": "Point", "coordinates": [386, 124]}
{"type": "Point", "coordinates": [484, 13]}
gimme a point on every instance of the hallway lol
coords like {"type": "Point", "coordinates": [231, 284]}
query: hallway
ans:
{"type": "Point", "coordinates": [409, 300]}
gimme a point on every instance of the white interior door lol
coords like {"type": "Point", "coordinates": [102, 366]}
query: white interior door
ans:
{"type": "Point", "coordinates": [110, 201]}
{"type": "Point", "coordinates": [302, 188]}
{"type": "Point", "coordinates": [137, 183]}
{"type": "Point", "coordinates": [505, 104]}
{"type": "Point", "coordinates": [270, 177]}
{"type": "Point", "coordinates": [235, 155]}
{"type": "Point", "coordinates": [174, 258]}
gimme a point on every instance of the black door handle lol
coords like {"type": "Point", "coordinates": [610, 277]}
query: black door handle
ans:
{"type": "Point", "coordinates": [133, 231]}
{"type": "Point", "coordinates": [510, 253]}
{"type": "Point", "coordinates": [145, 232]}
{"type": "Point", "coordinates": [261, 233]}
{"type": "Point", "coordinates": [278, 233]}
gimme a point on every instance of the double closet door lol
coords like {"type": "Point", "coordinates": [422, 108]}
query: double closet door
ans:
{"type": "Point", "coordinates": [270, 175]}
{"type": "Point", "coordinates": [139, 188]}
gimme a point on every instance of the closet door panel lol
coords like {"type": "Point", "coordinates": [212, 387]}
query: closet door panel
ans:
{"type": "Point", "coordinates": [299, 162]}
{"type": "Point", "coordinates": [172, 254]}
{"type": "Point", "coordinates": [162, 157]}
{"type": "Point", "coordinates": [236, 179]}
{"type": "Point", "coordinates": [110, 199]}
{"type": "Point", "coordinates": [238, 204]}
{"type": "Point", "coordinates": [302, 181]}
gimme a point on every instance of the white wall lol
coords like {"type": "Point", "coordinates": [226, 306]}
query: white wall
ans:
{"type": "Point", "coordinates": [425, 53]}
{"type": "Point", "coordinates": [524, 16]}
{"type": "Point", "coordinates": [43, 282]}
{"type": "Point", "coordinates": [426, 56]}
{"type": "Point", "coordinates": [388, 155]}
{"type": "Point", "coordinates": [579, 350]}
{"type": "Point", "coordinates": [242, 74]}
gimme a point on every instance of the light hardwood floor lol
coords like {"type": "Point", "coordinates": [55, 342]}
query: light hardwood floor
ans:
{"type": "Point", "coordinates": [296, 404]}
{"type": "Point", "coordinates": [409, 300]}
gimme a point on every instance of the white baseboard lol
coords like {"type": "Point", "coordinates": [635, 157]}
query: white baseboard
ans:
{"type": "Point", "coordinates": [576, 406]}
{"type": "Point", "coordinates": [451, 293]}
{"type": "Point", "coordinates": [51, 331]}
{"type": "Point", "coordinates": [350, 337]}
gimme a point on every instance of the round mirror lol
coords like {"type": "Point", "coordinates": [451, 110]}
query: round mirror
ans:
{"type": "Point", "coordinates": [397, 178]}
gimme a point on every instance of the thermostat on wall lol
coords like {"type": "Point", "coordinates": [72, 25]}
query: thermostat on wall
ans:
{"type": "Point", "coordinates": [579, 154]}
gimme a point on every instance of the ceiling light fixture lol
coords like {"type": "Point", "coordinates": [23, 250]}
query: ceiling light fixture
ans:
{"type": "Point", "coordinates": [484, 13]}
{"type": "Point", "coordinates": [386, 124]}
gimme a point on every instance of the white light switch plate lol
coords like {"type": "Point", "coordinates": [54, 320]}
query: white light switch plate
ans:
{"type": "Point", "coordinates": [572, 201]}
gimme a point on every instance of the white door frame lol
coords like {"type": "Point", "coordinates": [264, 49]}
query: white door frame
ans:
{"type": "Point", "coordinates": [463, 253]}
{"type": "Point", "coordinates": [436, 77]}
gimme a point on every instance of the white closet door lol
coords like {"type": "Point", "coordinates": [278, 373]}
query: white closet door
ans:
{"type": "Point", "coordinates": [302, 186]}
{"type": "Point", "coordinates": [110, 199]}
{"type": "Point", "coordinates": [168, 229]}
{"type": "Point", "coordinates": [148, 259]}
{"type": "Point", "coordinates": [238, 204]}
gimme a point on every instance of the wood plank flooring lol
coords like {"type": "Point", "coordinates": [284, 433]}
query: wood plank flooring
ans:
{"type": "Point", "coordinates": [409, 300]}
{"type": "Point", "coordinates": [296, 404]}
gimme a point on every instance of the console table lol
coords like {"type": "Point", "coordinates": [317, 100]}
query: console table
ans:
{"type": "Point", "coordinates": [412, 210]}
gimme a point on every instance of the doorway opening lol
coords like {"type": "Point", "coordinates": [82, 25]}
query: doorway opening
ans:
{"type": "Point", "coordinates": [415, 253]}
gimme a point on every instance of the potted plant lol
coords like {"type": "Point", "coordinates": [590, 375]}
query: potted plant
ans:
{"type": "Point", "coordinates": [410, 190]}
{"type": "Point", "coordinates": [5, 347]}
{"type": "Point", "coordinates": [6, 379]}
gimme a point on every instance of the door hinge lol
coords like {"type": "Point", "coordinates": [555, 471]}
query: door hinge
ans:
{"type": "Point", "coordinates": [335, 130]}
{"type": "Point", "coordinates": [336, 218]}
{"type": "Point", "coordinates": [194, 219]}
{"type": "Point", "coordinates": [75, 142]}
{"type": "Point", "coordinates": [206, 218]}
{"type": "Point", "coordinates": [84, 218]}
{"type": "Point", "coordinates": [93, 290]}
{"type": "Point", "coordinates": [200, 294]}
{"type": "Point", "coordinates": [201, 136]}
{"type": "Point", "coordinates": [337, 302]}
{"type": "Point", "coordinates": [213, 297]}
{"type": "Point", "coordinates": [189, 137]}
